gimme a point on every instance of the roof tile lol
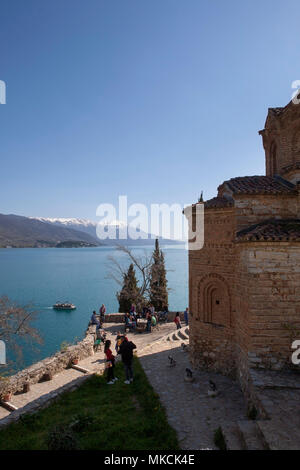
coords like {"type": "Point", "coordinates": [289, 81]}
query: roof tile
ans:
{"type": "Point", "coordinates": [218, 203]}
{"type": "Point", "coordinates": [259, 185]}
{"type": "Point", "coordinates": [272, 230]}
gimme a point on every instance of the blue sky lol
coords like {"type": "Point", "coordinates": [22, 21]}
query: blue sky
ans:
{"type": "Point", "coordinates": [156, 100]}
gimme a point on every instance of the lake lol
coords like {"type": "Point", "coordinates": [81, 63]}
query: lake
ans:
{"type": "Point", "coordinates": [80, 275]}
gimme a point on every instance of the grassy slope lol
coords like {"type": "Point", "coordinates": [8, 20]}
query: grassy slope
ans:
{"type": "Point", "coordinates": [126, 417]}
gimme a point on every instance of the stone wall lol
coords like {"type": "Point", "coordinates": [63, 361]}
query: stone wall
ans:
{"type": "Point", "coordinates": [273, 295]}
{"type": "Point", "coordinates": [251, 210]}
{"type": "Point", "coordinates": [50, 366]}
{"type": "Point", "coordinates": [212, 347]}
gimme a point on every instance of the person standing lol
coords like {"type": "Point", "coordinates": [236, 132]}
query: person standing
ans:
{"type": "Point", "coordinates": [152, 309]}
{"type": "Point", "coordinates": [102, 312]}
{"type": "Point", "coordinates": [148, 327]}
{"type": "Point", "coordinates": [110, 363]}
{"type": "Point", "coordinates": [186, 316]}
{"type": "Point", "coordinates": [177, 321]}
{"type": "Point", "coordinates": [126, 350]}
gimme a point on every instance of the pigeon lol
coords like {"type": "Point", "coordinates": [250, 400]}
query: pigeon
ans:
{"type": "Point", "coordinates": [172, 362]}
{"type": "Point", "coordinates": [189, 376]}
{"type": "Point", "coordinates": [212, 386]}
{"type": "Point", "coordinates": [212, 390]}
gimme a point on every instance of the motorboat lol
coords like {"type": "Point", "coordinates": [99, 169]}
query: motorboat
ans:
{"type": "Point", "coordinates": [64, 306]}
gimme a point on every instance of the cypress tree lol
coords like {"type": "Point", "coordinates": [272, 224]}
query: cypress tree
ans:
{"type": "Point", "coordinates": [129, 293]}
{"type": "Point", "coordinates": [158, 282]}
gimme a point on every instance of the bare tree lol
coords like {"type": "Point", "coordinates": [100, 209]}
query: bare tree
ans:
{"type": "Point", "coordinates": [16, 326]}
{"type": "Point", "coordinates": [147, 276]}
{"type": "Point", "coordinates": [141, 263]}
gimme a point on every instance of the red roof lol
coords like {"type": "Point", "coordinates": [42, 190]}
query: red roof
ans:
{"type": "Point", "coordinates": [258, 185]}
{"type": "Point", "coordinates": [218, 203]}
{"type": "Point", "coordinates": [272, 230]}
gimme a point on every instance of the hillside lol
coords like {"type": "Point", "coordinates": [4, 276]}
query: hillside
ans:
{"type": "Point", "coordinates": [17, 231]}
{"type": "Point", "coordinates": [90, 227]}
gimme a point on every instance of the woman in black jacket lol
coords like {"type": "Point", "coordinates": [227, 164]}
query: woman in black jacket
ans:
{"type": "Point", "coordinates": [126, 350]}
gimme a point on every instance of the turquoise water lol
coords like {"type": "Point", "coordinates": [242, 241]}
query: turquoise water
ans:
{"type": "Point", "coordinates": [79, 275]}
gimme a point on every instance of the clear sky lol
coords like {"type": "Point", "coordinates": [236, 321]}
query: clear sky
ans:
{"type": "Point", "coordinates": [156, 100]}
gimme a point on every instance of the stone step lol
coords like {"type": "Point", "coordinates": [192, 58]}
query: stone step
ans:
{"type": "Point", "coordinates": [232, 437]}
{"type": "Point", "coordinates": [187, 331]}
{"type": "Point", "coordinates": [175, 337]}
{"type": "Point", "coordinates": [280, 435]}
{"type": "Point", "coordinates": [251, 436]}
{"type": "Point", "coordinates": [84, 370]}
{"type": "Point", "coordinates": [181, 334]}
{"type": "Point", "coordinates": [9, 406]}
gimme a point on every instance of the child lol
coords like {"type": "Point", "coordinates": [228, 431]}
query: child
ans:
{"type": "Point", "coordinates": [177, 321]}
{"type": "Point", "coordinates": [110, 363]}
{"type": "Point", "coordinates": [153, 320]}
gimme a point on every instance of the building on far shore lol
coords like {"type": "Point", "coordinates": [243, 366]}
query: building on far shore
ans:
{"type": "Point", "coordinates": [244, 285]}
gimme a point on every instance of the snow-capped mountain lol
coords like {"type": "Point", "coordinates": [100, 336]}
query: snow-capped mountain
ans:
{"type": "Point", "coordinates": [83, 225]}
{"type": "Point", "coordinates": [19, 231]}
{"type": "Point", "coordinates": [90, 227]}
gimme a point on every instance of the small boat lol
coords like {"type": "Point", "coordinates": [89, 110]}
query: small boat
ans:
{"type": "Point", "coordinates": [64, 306]}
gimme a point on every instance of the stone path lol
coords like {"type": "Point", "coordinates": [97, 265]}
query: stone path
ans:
{"type": "Point", "coordinates": [279, 397]}
{"type": "Point", "coordinates": [190, 411]}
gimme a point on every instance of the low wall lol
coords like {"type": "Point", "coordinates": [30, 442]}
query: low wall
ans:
{"type": "Point", "coordinates": [45, 369]}
{"type": "Point", "coordinates": [119, 317]}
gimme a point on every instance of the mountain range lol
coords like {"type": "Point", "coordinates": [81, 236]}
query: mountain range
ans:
{"type": "Point", "coordinates": [18, 231]}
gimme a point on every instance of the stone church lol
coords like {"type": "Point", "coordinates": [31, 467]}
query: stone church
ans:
{"type": "Point", "coordinates": [244, 284]}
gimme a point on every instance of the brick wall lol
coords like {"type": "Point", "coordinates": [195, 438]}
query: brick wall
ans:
{"type": "Point", "coordinates": [211, 283]}
{"type": "Point", "coordinates": [281, 141]}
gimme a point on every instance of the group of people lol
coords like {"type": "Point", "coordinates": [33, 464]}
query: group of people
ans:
{"type": "Point", "coordinates": [100, 318]}
{"type": "Point", "coordinates": [125, 348]}
{"type": "Point", "coordinates": [131, 319]}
